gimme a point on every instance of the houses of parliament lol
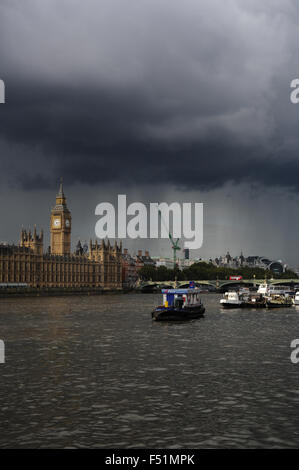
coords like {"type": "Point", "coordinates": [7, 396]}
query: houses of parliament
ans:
{"type": "Point", "coordinates": [95, 266]}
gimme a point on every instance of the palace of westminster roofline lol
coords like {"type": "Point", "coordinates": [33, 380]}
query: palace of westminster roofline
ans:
{"type": "Point", "coordinates": [96, 265]}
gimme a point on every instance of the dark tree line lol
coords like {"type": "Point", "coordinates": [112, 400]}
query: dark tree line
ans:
{"type": "Point", "coordinates": [207, 271]}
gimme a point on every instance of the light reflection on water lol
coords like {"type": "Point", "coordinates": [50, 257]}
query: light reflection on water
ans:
{"type": "Point", "coordinates": [97, 372]}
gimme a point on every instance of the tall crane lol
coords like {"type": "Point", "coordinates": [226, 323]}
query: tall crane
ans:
{"type": "Point", "coordinates": [175, 244]}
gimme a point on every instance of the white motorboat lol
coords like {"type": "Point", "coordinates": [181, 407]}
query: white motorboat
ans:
{"type": "Point", "coordinates": [232, 299]}
{"type": "Point", "coordinates": [296, 298]}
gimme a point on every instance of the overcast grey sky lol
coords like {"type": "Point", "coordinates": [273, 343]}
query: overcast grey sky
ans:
{"type": "Point", "coordinates": [186, 101]}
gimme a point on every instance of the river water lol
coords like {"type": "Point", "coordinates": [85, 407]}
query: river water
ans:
{"type": "Point", "coordinates": [97, 372]}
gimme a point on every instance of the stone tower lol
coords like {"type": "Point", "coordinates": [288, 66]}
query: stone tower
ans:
{"type": "Point", "coordinates": [32, 240]}
{"type": "Point", "coordinates": [61, 224]}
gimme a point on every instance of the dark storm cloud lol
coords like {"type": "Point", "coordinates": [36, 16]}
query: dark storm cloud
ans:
{"type": "Point", "coordinates": [185, 93]}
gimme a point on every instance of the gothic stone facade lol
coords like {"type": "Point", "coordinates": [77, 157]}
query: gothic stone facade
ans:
{"type": "Point", "coordinates": [97, 267]}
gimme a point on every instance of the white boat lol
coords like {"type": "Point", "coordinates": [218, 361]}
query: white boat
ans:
{"type": "Point", "coordinates": [245, 291]}
{"type": "Point", "coordinates": [296, 298]}
{"type": "Point", "coordinates": [232, 299]}
{"type": "Point", "coordinates": [270, 289]}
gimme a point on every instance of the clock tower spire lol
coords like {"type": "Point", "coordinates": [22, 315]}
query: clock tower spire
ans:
{"type": "Point", "coordinates": [60, 225]}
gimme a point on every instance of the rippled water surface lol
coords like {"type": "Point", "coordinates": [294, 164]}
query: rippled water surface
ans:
{"type": "Point", "coordinates": [97, 372]}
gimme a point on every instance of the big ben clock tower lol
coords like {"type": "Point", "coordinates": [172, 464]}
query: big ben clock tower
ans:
{"type": "Point", "coordinates": [61, 223]}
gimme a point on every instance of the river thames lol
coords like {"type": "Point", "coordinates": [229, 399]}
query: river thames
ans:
{"type": "Point", "coordinates": [95, 371]}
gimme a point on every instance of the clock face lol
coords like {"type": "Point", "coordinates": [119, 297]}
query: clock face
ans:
{"type": "Point", "coordinates": [67, 223]}
{"type": "Point", "coordinates": [56, 222]}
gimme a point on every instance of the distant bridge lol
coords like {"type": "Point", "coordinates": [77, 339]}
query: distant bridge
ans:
{"type": "Point", "coordinates": [218, 284]}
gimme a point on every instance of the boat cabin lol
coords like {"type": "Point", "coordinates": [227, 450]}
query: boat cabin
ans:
{"type": "Point", "coordinates": [179, 298]}
{"type": "Point", "coordinates": [231, 296]}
